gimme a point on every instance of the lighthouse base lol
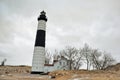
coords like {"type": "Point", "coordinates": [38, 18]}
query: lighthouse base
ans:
{"type": "Point", "coordinates": [34, 72]}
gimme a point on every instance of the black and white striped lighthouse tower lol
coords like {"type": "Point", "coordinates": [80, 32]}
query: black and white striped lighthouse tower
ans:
{"type": "Point", "coordinates": [39, 49]}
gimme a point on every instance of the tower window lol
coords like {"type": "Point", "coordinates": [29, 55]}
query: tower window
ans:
{"type": "Point", "coordinates": [63, 63]}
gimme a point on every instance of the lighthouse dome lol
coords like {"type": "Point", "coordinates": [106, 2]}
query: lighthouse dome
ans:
{"type": "Point", "coordinates": [42, 16]}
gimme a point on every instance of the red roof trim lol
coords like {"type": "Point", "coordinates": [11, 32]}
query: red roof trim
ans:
{"type": "Point", "coordinates": [48, 64]}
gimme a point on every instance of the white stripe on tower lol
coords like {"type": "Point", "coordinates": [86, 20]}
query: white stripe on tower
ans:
{"type": "Point", "coordinates": [39, 50]}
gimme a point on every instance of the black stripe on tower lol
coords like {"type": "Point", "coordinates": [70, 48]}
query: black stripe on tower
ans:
{"type": "Point", "coordinates": [40, 38]}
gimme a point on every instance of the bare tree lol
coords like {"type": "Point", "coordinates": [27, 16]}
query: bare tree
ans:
{"type": "Point", "coordinates": [86, 51]}
{"type": "Point", "coordinates": [70, 53]}
{"type": "Point", "coordinates": [56, 55]}
{"type": "Point", "coordinates": [106, 61]}
{"type": "Point", "coordinates": [48, 57]}
{"type": "Point", "coordinates": [101, 60]}
{"type": "Point", "coordinates": [95, 59]}
{"type": "Point", "coordinates": [3, 62]}
{"type": "Point", "coordinates": [78, 59]}
{"type": "Point", "coordinates": [91, 57]}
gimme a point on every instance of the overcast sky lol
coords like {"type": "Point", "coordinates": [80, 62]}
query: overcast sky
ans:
{"type": "Point", "coordinates": [70, 22]}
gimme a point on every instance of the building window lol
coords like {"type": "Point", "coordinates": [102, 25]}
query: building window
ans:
{"type": "Point", "coordinates": [63, 63]}
{"type": "Point", "coordinates": [60, 63]}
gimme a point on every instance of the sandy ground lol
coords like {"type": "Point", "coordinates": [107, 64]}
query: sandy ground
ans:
{"type": "Point", "coordinates": [65, 75]}
{"type": "Point", "coordinates": [86, 75]}
{"type": "Point", "coordinates": [24, 77]}
{"type": "Point", "coordinates": [19, 73]}
{"type": "Point", "coordinates": [23, 73]}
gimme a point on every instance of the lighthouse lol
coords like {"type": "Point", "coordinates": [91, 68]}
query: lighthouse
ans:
{"type": "Point", "coordinates": [39, 49]}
